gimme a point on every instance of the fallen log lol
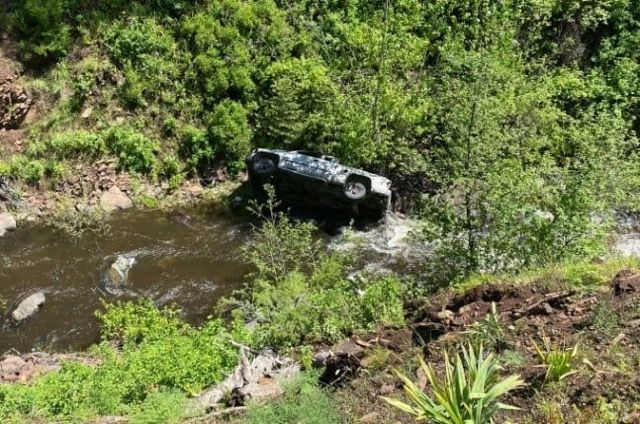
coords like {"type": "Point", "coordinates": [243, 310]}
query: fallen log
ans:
{"type": "Point", "coordinates": [249, 379]}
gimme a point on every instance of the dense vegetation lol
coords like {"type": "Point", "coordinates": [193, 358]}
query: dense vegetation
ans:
{"type": "Point", "coordinates": [150, 360]}
{"type": "Point", "coordinates": [516, 120]}
{"type": "Point", "coordinates": [509, 127]}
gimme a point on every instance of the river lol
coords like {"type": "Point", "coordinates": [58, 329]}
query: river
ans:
{"type": "Point", "coordinates": [189, 261]}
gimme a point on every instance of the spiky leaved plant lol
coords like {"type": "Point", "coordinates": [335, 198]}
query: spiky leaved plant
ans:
{"type": "Point", "coordinates": [468, 393]}
{"type": "Point", "coordinates": [559, 362]}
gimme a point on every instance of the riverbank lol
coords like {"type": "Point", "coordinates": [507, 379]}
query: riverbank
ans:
{"type": "Point", "coordinates": [589, 307]}
{"type": "Point", "coordinates": [85, 199]}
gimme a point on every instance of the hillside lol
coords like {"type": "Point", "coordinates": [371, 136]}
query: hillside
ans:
{"type": "Point", "coordinates": [509, 130]}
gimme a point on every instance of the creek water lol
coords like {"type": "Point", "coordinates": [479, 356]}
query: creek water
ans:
{"type": "Point", "coordinates": [186, 261]}
{"type": "Point", "coordinates": [189, 260]}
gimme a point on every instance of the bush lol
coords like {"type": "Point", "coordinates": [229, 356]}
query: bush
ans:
{"type": "Point", "coordinates": [161, 360]}
{"type": "Point", "coordinates": [229, 131]}
{"type": "Point", "coordinates": [300, 107]}
{"type": "Point", "coordinates": [135, 151]}
{"type": "Point", "coordinates": [196, 148]}
{"type": "Point", "coordinates": [132, 40]}
{"type": "Point", "coordinates": [559, 362]}
{"type": "Point", "coordinates": [301, 294]}
{"type": "Point", "coordinates": [23, 168]}
{"type": "Point", "coordinates": [45, 34]}
{"type": "Point", "coordinates": [70, 144]}
{"type": "Point", "coordinates": [159, 407]}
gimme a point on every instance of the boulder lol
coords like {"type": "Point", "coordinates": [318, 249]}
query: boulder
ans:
{"type": "Point", "coordinates": [27, 367]}
{"type": "Point", "coordinates": [28, 307]}
{"type": "Point", "coordinates": [11, 367]}
{"type": "Point", "coordinates": [7, 223]}
{"type": "Point", "coordinates": [625, 281]}
{"type": "Point", "coordinates": [114, 199]}
{"type": "Point", "coordinates": [118, 273]}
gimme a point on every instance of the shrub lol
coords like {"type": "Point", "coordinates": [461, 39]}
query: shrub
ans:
{"type": "Point", "coordinates": [488, 331]}
{"type": "Point", "coordinates": [135, 151]}
{"type": "Point", "coordinates": [132, 40]}
{"type": "Point", "coordinates": [300, 108]}
{"type": "Point", "coordinates": [161, 360]}
{"type": "Point", "coordinates": [55, 170]}
{"type": "Point", "coordinates": [170, 166]}
{"type": "Point", "coordinates": [41, 24]}
{"type": "Point", "coordinates": [71, 144]}
{"type": "Point", "coordinates": [468, 393]}
{"type": "Point", "coordinates": [229, 131]}
{"type": "Point", "coordinates": [301, 294]}
{"type": "Point", "coordinates": [23, 168]}
{"type": "Point", "coordinates": [196, 148]}
{"type": "Point", "coordinates": [302, 309]}
{"type": "Point", "coordinates": [159, 407]}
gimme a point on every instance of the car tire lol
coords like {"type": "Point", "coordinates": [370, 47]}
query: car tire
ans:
{"type": "Point", "coordinates": [263, 167]}
{"type": "Point", "coordinates": [356, 187]}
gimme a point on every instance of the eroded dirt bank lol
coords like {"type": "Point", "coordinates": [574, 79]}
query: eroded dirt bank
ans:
{"type": "Point", "coordinates": [604, 323]}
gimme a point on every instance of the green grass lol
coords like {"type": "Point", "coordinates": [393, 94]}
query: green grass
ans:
{"type": "Point", "coordinates": [161, 361]}
{"type": "Point", "coordinates": [586, 275]}
{"type": "Point", "coordinates": [303, 402]}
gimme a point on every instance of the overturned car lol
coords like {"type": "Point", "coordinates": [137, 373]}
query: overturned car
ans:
{"type": "Point", "coordinates": [306, 178]}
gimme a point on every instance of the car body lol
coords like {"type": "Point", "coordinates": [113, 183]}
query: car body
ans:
{"type": "Point", "coordinates": [310, 178]}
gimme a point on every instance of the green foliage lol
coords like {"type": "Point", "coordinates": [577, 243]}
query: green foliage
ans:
{"type": "Point", "coordinates": [323, 306]}
{"type": "Point", "coordinates": [159, 407]}
{"type": "Point", "coordinates": [70, 144]}
{"type": "Point", "coordinates": [303, 402]}
{"type": "Point", "coordinates": [583, 275]}
{"type": "Point", "coordinates": [135, 151]}
{"type": "Point", "coordinates": [161, 360]}
{"type": "Point", "coordinates": [21, 167]}
{"type": "Point", "coordinates": [559, 362]}
{"type": "Point", "coordinates": [468, 393]}
{"type": "Point", "coordinates": [302, 294]}
{"type": "Point", "coordinates": [45, 34]}
{"type": "Point", "coordinates": [511, 125]}
{"type": "Point", "coordinates": [229, 130]}
{"type": "Point", "coordinates": [299, 105]}
{"type": "Point", "coordinates": [196, 148]}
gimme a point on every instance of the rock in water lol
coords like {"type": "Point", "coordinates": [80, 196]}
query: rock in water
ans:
{"type": "Point", "coordinates": [7, 223]}
{"type": "Point", "coordinates": [28, 307]}
{"type": "Point", "coordinates": [115, 199]}
{"type": "Point", "coordinates": [118, 273]}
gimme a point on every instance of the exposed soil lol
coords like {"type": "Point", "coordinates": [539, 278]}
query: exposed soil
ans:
{"type": "Point", "coordinates": [25, 368]}
{"type": "Point", "coordinates": [605, 324]}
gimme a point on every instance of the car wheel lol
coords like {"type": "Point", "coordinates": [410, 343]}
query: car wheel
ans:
{"type": "Point", "coordinates": [263, 167]}
{"type": "Point", "coordinates": [355, 188]}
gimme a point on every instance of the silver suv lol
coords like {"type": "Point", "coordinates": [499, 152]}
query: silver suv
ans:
{"type": "Point", "coordinates": [306, 177]}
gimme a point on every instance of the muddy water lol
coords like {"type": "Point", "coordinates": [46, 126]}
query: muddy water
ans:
{"type": "Point", "coordinates": [187, 261]}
